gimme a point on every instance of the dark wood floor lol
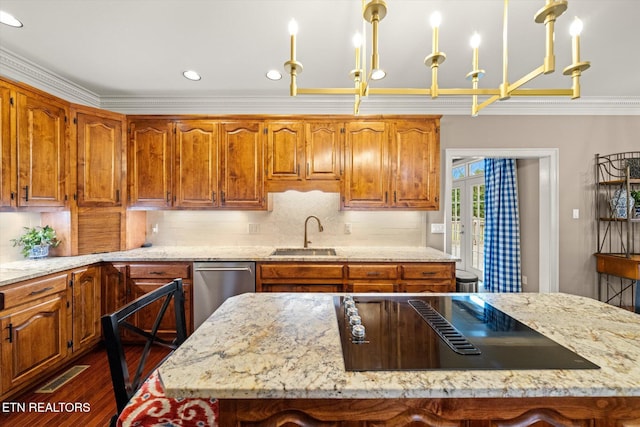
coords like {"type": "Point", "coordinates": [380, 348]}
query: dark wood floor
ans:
{"type": "Point", "coordinates": [92, 388]}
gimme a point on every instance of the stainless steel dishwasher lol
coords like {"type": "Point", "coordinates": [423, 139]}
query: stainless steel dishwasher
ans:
{"type": "Point", "coordinates": [214, 282]}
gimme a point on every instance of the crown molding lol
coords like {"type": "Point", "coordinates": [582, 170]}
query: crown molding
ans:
{"type": "Point", "coordinates": [240, 103]}
{"type": "Point", "coordinates": [21, 69]}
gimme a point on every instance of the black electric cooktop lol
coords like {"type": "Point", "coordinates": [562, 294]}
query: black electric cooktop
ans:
{"type": "Point", "coordinates": [443, 332]}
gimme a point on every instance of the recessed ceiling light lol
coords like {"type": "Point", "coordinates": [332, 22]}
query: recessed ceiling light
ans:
{"type": "Point", "coordinates": [274, 75]}
{"type": "Point", "coordinates": [9, 19]}
{"type": "Point", "coordinates": [192, 75]}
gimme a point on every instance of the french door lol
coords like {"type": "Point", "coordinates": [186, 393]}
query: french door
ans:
{"type": "Point", "coordinates": [467, 224]}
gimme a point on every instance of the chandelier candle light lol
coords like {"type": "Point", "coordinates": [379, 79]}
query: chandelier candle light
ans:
{"type": "Point", "coordinates": [375, 10]}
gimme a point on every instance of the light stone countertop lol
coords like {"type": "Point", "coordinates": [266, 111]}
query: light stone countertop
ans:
{"type": "Point", "coordinates": [288, 346]}
{"type": "Point", "coordinates": [16, 271]}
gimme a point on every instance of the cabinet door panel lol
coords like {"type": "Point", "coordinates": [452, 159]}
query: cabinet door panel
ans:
{"type": "Point", "coordinates": [40, 152]}
{"type": "Point", "coordinates": [284, 151]}
{"type": "Point", "coordinates": [33, 339]}
{"type": "Point", "coordinates": [366, 169]}
{"type": "Point", "coordinates": [197, 164]}
{"type": "Point", "coordinates": [242, 165]}
{"type": "Point", "coordinates": [86, 307]}
{"type": "Point", "coordinates": [323, 143]}
{"type": "Point", "coordinates": [99, 161]}
{"type": "Point", "coordinates": [114, 287]}
{"type": "Point", "coordinates": [149, 165]}
{"type": "Point", "coordinates": [145, 318]}
{"type": "Point", "coordinates": [415, 169]}
{"type": "Point", "coordinates": [7, 188]}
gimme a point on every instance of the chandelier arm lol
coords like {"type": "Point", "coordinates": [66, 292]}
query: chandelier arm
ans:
{"type": "Point", "coordinates": [504, 86]}
{"type": "Point", "coordinates": [487, 103]}
{"type": "Point", "coordinates": [526, 79]}
{"type": "Point", "coordinates": [542, 92]}
{"type": "Point", "coordinates": [327, 91]}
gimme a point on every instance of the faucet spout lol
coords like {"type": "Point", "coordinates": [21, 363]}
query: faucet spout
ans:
{"type": "Point", "coordinates": [306, 221]}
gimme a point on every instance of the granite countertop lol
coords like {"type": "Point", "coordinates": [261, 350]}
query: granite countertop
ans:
{"type": "Point", "coordinates": [16, 271]}
{"type": "Point", "coordinates": [288, 346]}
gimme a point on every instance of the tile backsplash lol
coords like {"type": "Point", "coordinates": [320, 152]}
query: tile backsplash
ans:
{"type": "Point", "coordinates": [11, 227]}
{"type": "Point", "coordinates": [284, 225]}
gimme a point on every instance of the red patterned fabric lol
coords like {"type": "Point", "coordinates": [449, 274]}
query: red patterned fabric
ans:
{"type": "Point", "coordinates": [149, 407]}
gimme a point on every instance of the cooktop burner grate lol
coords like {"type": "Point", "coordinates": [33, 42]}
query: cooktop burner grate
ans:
{"type": "Point", "coordinates": [449, 334]}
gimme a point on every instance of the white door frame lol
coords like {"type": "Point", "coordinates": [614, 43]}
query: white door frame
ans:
{"type": "Point", "coordinates": [549, 230]}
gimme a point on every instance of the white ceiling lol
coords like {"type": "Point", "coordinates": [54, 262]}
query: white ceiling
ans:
{"type": "Point", "coordinates": [128, 55]}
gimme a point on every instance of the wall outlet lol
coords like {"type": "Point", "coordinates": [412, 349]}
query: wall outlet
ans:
{"type": "Point", "coordinates": [576, 213]}
{"type": "Point", "coordinates": [437, 228]}
{"type": "Point", "coordinates": [254, 228]}
{"type": "Point", "coordinates": [154, 229]}
{"type": "Point", "coordinates": [347, 228]}
{"type": "Point", "coordinates": [524, 280]}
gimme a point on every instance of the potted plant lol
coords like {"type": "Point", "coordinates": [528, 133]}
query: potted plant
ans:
{"type": "Point", "coordinates": [636, 196]}
{"type": "Point", "coordinates": [36, 241]}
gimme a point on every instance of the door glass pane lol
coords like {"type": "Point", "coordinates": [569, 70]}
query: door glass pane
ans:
{"type": "Point", "coordinates": [455, 222]}
{"type": "Point", "coordinates": [459, 172]}
{"type": "Point", "coordinates": [476, 168]}
{"type": "Point", "coordinates": [477, 228]}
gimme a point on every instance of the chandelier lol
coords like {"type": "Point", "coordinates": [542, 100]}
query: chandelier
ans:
{"type": "Point", "coordinates": [375, 10]}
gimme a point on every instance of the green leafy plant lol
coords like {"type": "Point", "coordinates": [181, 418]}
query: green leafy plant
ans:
{"type": "Point", "coordinates": [636, 196]}
{"type": "Point", "coordinates": [36, 236]}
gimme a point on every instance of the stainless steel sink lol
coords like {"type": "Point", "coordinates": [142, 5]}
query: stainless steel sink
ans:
{"type": "Point", "coordinates": [304, 252]}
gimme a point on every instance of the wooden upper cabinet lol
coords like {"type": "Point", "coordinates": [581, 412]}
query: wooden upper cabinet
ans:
{"type": "Point", "coordinates": [366, 175]}
{"type": "Point", "coordinates": [41, 151]}
{"type": "Point", "coordinates": [415, 169]}
{"type": "Point", "coordinates": [197, 165]}
{"type": "Point", "coordinates": [285, 150]}
{"type": "Point", "coordinates": [304, 155]}
{"type": "Point", "coordinates": [7, 148]}
{"type": "Point", "coordinates": [99, 167]}
{"type": "Point", "coordinates": [323, 148]}
{"type": "Point", "coordinates": [242, 183]}
{"type": "Point", "coordinates": [149, 163]}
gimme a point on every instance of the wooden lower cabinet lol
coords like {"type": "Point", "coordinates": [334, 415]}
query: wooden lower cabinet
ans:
{"type": "Point", "coordinates": [355, 277]}
{"type": "Point", "coordinates": [85, 290]}
{"type": "Point", "coordinates": [299, 277]}
{"type": "Point", "coordinates": [475, 412]}
{"type": "Point", "coordinates": [114, 287]}
{"type": "Point", "coordinates": [146, 277]}
{"type": "Point", "coordinates": [35, 330]}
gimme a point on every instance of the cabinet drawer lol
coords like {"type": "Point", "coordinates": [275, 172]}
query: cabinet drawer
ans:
{"type": "Point", "coordinates": [11, 296]}
{"type": "Point", "coordinates": [440, 285]}
{"type": "Point", "coordinates": [278, 287]}
{"type": "Point", "coordinates": [427, 271]}
{"type": "Point", "coordinates": [301, 271]}
{"type": "Point", "coordinates": [372, 271]}
{"type": "Point", "coordinates": [161, 271]}
{"type": "Point", "coordinates": [371, 287]}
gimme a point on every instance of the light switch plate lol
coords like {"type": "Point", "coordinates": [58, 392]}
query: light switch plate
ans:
{"type": "Point", "coordinates": [437, 228]}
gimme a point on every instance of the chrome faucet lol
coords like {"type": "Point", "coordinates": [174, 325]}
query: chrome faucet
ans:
{"type": "Point", "coordinates": [320, 229]}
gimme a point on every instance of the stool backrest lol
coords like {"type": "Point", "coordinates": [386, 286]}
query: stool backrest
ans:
{"type": "Point", "coordinates": [124, 385]}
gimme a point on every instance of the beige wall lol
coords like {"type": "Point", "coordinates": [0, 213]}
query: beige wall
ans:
{"type": "Point", "coordinates": [578, 139]}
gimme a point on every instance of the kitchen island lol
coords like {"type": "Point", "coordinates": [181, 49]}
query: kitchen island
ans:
{"type": "Point", "coordinates": [276, 358]}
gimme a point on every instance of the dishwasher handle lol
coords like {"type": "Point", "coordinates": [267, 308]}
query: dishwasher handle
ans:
{"type": "Point", "coordinates": [224, 269]}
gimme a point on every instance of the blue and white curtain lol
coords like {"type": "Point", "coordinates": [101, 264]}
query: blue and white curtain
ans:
{"type": "Point", "coordinates": [502, 227]}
